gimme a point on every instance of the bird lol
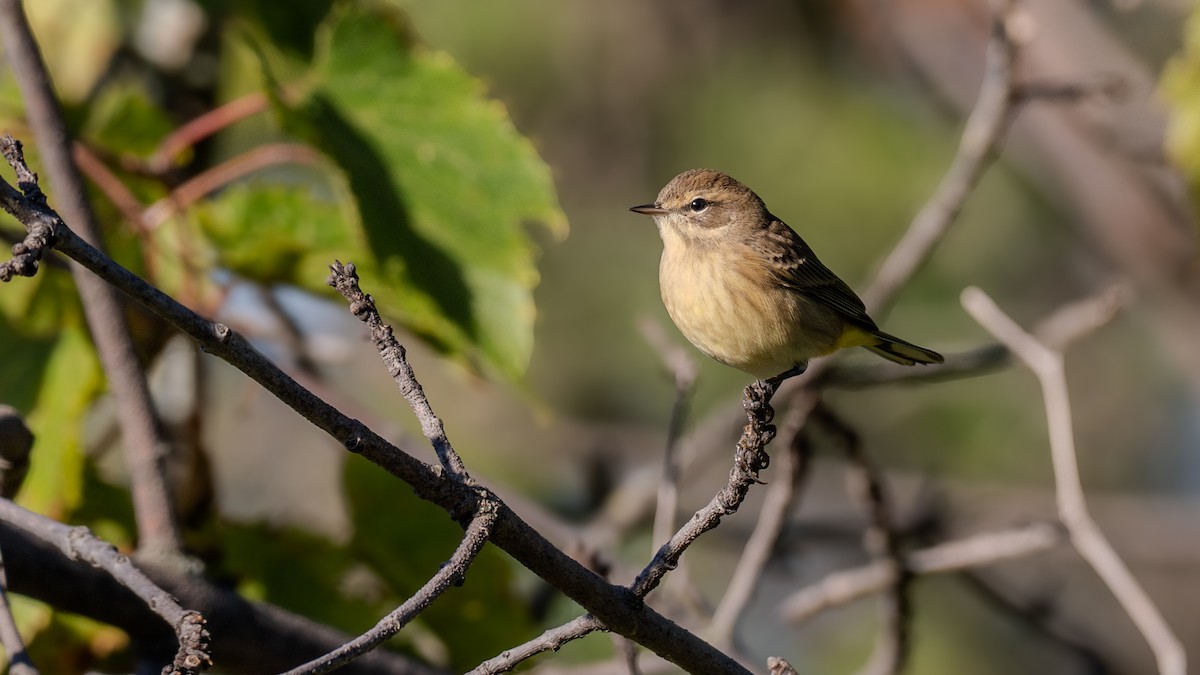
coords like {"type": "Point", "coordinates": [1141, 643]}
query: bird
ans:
{"type": "Point", "coordinates": [746, 290]}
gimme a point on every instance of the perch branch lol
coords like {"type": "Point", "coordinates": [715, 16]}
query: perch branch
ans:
{"type": "Point", "coordinates": [749, 459]}
{"type": "Point", "coordinates": [772, 519]}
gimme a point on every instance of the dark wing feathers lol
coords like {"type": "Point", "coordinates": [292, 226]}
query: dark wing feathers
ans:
{"type": "Point", "coordinates": [796, 266]}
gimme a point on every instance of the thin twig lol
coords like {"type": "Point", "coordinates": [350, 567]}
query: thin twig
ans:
{"type": "Point", "coordinates": [882, 543]}
{"type": "Point", "coordinates": [551, 640]}
{"type": "Point", "coordinates": [1037, 613]}
{"type": "Point", "coordinates": [290, 332]}
{"type": "Point", "coordinates": [209, 181]}
{"type": "Point", "coordinates": [19, 662]}
{"type": "Point", "coordinates": [217, 119]}
{"type": "Point", "coordinates": [683, 370]}
{"type": "Point", "coordinates": [1110, 86]}
{"type": "Point", "coordinates": [451, 574]}
{"type": "Point", "coordinates": [629, 652]}
{"type": "Point", "coordinates": [144, 443]}
{"type": "Point", "coordinates": [976, 150]}
{"type": "Point", "coordinates": [1062, 327]}
{"type": "Point", "coordinates": [80, 544]}
{"type": "Point", "coordinates": [111, 185]}
{"type": "Point", "coordinates": [393, 355]}
{"type": "Point", "coordinates": [1047, 364]}
{"type": "Point", "coordinates": [845, 586]}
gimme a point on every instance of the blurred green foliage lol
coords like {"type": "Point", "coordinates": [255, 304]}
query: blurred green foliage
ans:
{"type": "Point", "coordinates": [444, 186]}
{"type": "Point", "coordinates": [422, 181]}
{"type": "Point", "coordinates": [1181, 86]}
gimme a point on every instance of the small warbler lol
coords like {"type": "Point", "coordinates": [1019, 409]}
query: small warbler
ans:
{"type": "Point", "coordinates": [746, 290]}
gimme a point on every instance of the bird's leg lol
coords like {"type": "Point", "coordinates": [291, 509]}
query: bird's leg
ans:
{"type": "Point", "coordinates": [798, 369]}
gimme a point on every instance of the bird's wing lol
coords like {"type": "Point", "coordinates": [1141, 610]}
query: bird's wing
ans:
{"type": "Point", "coordinates": [796, 266]}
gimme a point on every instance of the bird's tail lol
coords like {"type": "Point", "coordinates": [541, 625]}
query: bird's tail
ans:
{"type": "Point", "coordinates": [896, 350]}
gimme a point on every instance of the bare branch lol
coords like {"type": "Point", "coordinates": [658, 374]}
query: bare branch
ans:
{"type": "Point", "coordinates": [452, 573]}
{"type": "Point", "coordinates": [845, 586]}
{"type": "Point", "coordinates": [145, 445]}
{"type": "Point", "coordinates": [683, 370]}
{"type": "Point", "coordinates": [1063, 327]}
{"type": "Point", "coordinates": [78, 543]}
{"type": "Point", "coordinates": [1047, 364]}
{"type": "Point", "coordinates": [245, 636]}
{"type": "Point", "coordinates": [777, 506]}
{"type": "Point", "coordinates": [749, 459]}
{"type": "Point", "coordinates": [974, 362]}
{"type": "Point", "coordinates": [204, 126]}
{"type": "Point", "coordinates": [882, 543]}
{"type": "Point", "coordinates": [344, 279]}
{"type": "Point", "coordinates": [976, 150]}
{"type": "Point", "coordinates": [111, 185]}
{"type": "Point", "coordinates": [1110, 86]}
{"type": "Point", "coordinates": [551, 640]}
{"type": "Point", "coordinates": [19, 662]}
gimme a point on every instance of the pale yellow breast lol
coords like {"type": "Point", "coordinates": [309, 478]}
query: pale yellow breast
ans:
{"type": "Point", "coordinates": [725, 306]}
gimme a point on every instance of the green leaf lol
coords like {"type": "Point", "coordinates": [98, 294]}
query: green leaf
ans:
{"type": "Point", "coordinates": [302, 572]}
{"type": "Point", "coordinates": [276, 233]}
{"type": "Point", "coordinates": [444, 185]}
{"type": "Point", "coordinates": [289, 25]}
{"type": "Point", "coordinates": [77, 40]}
{"type": "Point", "coordinates": [124, 119]}
{"type": "Point", "coordinates": [1181, 86]}
{"type": "Point", "coordinates": [70, 381]}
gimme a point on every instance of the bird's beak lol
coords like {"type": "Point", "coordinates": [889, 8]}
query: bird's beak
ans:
{"type": "Point", "coordinates": [649, 209]}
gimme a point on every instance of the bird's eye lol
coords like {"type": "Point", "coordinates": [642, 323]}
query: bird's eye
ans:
{"type": "Point", "coordinates": [698, 204]}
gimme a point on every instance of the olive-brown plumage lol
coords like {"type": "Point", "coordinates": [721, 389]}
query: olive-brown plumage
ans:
{"type": "Point", "coordinates": [746, 290]}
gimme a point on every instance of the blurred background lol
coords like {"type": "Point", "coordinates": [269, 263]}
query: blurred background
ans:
{"type": "Point", "coordinates": [843, 116]}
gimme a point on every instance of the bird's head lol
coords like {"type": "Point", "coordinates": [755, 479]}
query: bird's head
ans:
{"type": "Point", "coordinates": [701, 205]}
